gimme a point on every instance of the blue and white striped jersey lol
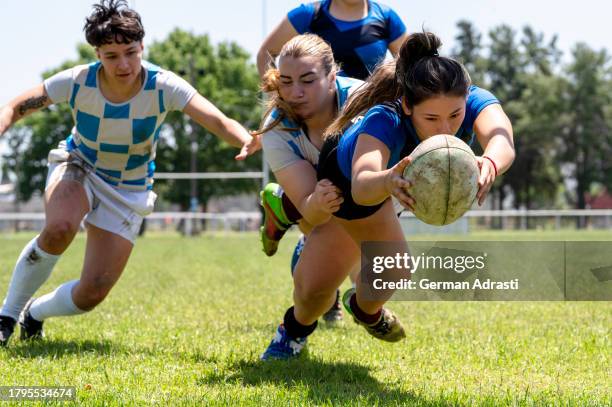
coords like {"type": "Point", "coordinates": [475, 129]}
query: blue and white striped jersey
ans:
{"type": "Point", "coordinates": [283, 148]}
{"type": "Point", "coordinates": [118, 140]}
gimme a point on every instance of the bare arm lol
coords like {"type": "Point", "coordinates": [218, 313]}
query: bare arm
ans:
{"type": "Point", "coordinates": [395, 46]}
{"type": "Point", "coordinates": [273, 43]}
{"type": "Point", "coordinates": [372, 183]}
{"type": "Point", "coordinates": [23, 105]}
{"type": "Point", "coordinates": [315, 201]}
{"type": "Point", "coordinates": [212, 119]}
{"type": "Point", "coordinates": [494, 132]}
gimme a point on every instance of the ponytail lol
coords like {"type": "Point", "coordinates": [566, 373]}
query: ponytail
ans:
{"type": "Point", "coordinates": [380, 87]}
{"type": "Point", "coordinates": [417, 74]}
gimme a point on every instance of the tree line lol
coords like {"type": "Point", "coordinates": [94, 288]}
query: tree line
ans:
{"type": "Point", "coordinates": [560, 108]}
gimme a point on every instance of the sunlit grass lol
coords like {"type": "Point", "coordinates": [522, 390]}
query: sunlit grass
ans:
{"type": "Point", "coordinates": [189, 318]}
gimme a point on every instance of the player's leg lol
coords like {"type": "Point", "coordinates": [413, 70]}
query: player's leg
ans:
{"type": "Point", "coordinates": [327, 258]}
{"type": "Point", "coordinates": [66, 203]}
{"type": "Point", "coordinates": [334, 313]}
{"type": "Point", "coordinates": [380, 322]}
{"type": "Point", "coordinates": [106, 255]}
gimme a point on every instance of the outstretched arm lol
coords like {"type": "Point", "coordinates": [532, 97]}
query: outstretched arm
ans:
{"type": "Point", "coordinates": [212, 119]}
{"type": "Point", "coordinates": [494, 132]}
{"type": "Point", "coordinates": [23, 105]}
{"type": "Point", "coordinates": [272, 45]}
{"type": "Point", "coordinates": [395, 46]}
{"type": "Point", "coordinates": [372, 183]}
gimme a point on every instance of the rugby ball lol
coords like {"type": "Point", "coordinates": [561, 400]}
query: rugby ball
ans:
{"type": "Point", "coordinates": [444, 175]}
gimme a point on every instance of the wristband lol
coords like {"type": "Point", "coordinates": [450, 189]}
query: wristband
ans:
{"type": "Point", "coordinates": [492, 162]}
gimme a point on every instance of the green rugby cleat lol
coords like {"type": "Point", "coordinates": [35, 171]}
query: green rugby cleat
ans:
{"type": "Point", "coordinates": [275, 222]}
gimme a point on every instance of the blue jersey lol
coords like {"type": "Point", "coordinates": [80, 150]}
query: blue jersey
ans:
{"type": "Point", "coordinates": [357, 45]}
{"type": "Point", "coordinates": [389, 124]}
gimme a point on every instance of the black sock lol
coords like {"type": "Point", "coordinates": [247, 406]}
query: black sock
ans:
{"type": "Point", "coordinates": [293, 215]}
{"type": "Point", "coordinates": [294, 328]}
{"type": "Point", "coordinates": [362, 316]}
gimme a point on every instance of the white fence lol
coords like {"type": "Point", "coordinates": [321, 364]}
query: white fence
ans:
{"type": "Point", "coordinates": [472, 220]}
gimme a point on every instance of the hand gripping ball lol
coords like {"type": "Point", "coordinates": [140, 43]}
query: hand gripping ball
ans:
{"type": "Point", "coordinates": [444, 175]}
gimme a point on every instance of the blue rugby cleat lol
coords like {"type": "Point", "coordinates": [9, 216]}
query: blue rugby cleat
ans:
{"type": "Point", "coordinates": [283, 347]}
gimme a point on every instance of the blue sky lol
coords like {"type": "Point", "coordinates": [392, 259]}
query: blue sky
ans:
{"type": "Point", "coordinates": [39, 34]}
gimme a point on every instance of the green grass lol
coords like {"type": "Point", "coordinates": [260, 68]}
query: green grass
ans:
{"type": "Point", "coordinates": [190, 317]}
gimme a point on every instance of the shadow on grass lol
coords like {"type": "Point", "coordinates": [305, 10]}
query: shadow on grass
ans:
{"type": "Point", "coordinates": [57, 348]}
{"type": "Point", "coordinates": [335, 383]}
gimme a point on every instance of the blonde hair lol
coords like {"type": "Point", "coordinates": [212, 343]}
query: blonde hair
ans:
{"type": "Point", "coordinates": [305, 45]}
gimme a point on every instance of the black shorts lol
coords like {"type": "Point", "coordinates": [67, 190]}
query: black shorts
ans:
{"type": "Point", "coordinates": [328, 168]}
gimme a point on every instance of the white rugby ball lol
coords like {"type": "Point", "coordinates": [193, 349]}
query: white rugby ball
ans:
{"type": "Point", "coordinates": [444, 175]}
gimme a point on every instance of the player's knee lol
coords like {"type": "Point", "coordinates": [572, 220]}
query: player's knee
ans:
{"type": "Point", "coordinates": [93, 294]}
{"type": "Point", "coordinates": [58, 234]}
{"type": "Point", "coordinates": [91, 300]}
{"type": "Point", "coordinates": [313, 293]}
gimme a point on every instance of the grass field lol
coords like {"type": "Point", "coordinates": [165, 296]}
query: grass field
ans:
{"type": "Point", "coordinates": [188, 320]}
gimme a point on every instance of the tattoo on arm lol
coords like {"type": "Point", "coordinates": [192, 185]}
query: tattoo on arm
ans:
{"type": "Point", "coordinates": [32, 103]}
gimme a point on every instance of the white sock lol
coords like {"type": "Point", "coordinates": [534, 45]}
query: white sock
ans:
{"type": "Point", "coordinates": [31, 271]}
{"type": "Point", "coordinates": [56, 304]}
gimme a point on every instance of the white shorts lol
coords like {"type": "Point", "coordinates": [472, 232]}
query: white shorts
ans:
{"type": "Point", "coordinates": [115, 210]}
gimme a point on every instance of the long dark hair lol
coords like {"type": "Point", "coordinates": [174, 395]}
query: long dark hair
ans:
{"type": "Point", "coordinates": [417, 74]}
{"type": "Point", "coordinates": [113, 21]}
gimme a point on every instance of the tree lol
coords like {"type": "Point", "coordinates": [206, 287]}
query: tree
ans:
{"type": "Point", "coordinates": [587, 134]}
{"type": "Point", "coordinates": [539, 57]}
{"type": "Point", "coordinates": [467, 51]}
{"type": "Point", "coordinates": [521, 75]}
{"type": "Point", "coordinates": [504, 64]}
{"type": "Point", "coordinates": [535, 176]}
{"type": "Point", "coordinates": [31, 139]}
{"type": "Point", "coordinates": [225, 76]}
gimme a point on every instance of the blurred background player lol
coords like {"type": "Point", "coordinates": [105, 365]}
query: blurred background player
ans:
{"type": "Point", "coordinates": [360, 33]}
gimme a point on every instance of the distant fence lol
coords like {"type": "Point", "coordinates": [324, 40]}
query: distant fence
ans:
{"type": "Point", "coordinates": [471, 221]}
{"type": "Point", "coordinates": [189, 222]}
{"type": "Point", "coordinates": [476, 220]}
